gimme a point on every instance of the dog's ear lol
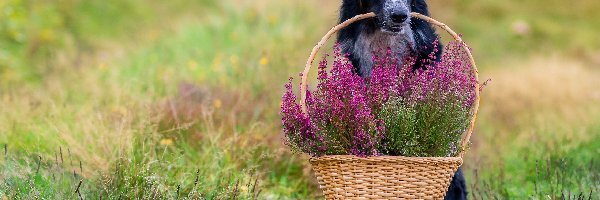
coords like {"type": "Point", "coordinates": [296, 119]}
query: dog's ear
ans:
{"type": "Point", "coordinates": [351, 8]}
{"type": "Point", "coordinates": [414, 2]}
{"type": "Point", "coordinates": [419, 6]}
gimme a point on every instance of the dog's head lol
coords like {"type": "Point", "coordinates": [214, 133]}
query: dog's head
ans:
{"type": "Point", "coordinates": [392, 15]}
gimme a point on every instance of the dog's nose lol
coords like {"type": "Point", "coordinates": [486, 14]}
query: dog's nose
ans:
{"type": "Point", "coordinates": [399, 17]}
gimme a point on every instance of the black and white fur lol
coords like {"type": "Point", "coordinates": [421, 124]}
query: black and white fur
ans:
{"type": "Point", "coordinates": [393, 28]}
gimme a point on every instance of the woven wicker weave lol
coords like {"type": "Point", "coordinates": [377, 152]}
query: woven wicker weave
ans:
{"type": "Point", "coordinates": [392, 177]}
{"type": "Point", "coordinates": [387, 177]}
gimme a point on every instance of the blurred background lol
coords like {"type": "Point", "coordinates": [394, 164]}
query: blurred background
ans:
{"type": "Point", "coordinates": [147, 99]}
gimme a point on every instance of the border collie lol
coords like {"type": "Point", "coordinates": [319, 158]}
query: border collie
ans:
{"type": "Point", "coordinates": [393, 28]}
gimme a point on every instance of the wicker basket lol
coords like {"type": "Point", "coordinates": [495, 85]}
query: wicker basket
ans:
{"type": "Point", "coordinates": [387, 177]}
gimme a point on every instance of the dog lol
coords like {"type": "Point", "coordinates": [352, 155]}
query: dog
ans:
{"type": "Point", "coordinates": [392, 28]}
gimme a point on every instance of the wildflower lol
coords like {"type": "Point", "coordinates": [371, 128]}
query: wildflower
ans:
{"type": "Point", "coordinates": [299, 131]}
{"type": "Point", "coordinates": [120, 110]}
{"type": "Point", "coordinates": [273, 19]}
{"type": "Point", "coordinates": [46, 35]}
{"type": "Point", "coordinates": [217, 63]}
{"type": "Point", "coordinates": [521, 28]}
{"type": "Point", "coordinates": [166, 142]}
{"type": "Point", "coordinates": [264, 60]}
{"type": "Point", "coordinates": [234, 60]}
{"type": "Point", "coordinates": [192, 65]}
{"type": "Point", "coordinates": [217, 103]}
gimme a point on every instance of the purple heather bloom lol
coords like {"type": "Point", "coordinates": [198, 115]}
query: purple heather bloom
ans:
{"type": "Point", "coordinates": [343, 110]}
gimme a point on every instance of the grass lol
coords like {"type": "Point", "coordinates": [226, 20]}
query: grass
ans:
{"type": "Point", "coordinates": [559, 170]}
{"type": "Point", "coordinates": [180, 99]}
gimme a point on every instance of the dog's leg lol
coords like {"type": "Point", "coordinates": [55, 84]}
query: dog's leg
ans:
{"type": "Point", "coordinates": [458, 187]}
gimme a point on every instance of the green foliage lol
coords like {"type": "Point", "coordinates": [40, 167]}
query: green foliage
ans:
{"type": "Point", "coordinates": [423, 129]}
{"type": "Point", "coordinates": [554, 173]}
{"type": "Point", "coordinates": [230, 160]}
{"type": "Point", "coordinates": [36, 35]}
{"type": "Point", "coordinates": [400, 122]}
{"type": "Point", "coordinates": [137, 178]}
{"type": "Point", "coordinates": [516, 29]}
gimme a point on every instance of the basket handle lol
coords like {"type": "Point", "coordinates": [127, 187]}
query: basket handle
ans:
{"type": "Point", "coordinates": [335, 29]}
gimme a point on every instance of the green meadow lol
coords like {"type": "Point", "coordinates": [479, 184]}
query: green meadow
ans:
{"type": "Point", "coordinates": [132, 99]}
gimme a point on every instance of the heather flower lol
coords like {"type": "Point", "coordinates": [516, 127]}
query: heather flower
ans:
{"type": "Point", "coordinates": [300, 132]}
{"type": "Point", "coordinates": [383, 80]}
{"type": "Point", "coordinates": [396, 111]}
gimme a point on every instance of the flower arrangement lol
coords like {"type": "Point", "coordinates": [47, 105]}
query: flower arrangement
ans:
{"type": "Point", "coordinates": [397, 111]}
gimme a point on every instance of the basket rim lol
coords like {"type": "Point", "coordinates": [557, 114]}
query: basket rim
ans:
{"type": "Point", "coordinates": [386, 158]}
